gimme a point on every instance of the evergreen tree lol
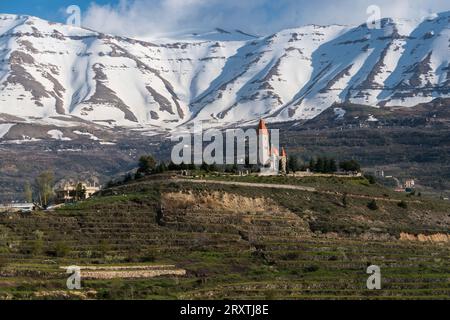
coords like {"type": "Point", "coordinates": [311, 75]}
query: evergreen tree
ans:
{"type": "Point", "coordinates": [204, 167]}
{"type": "Point", "coordinates": [128, 177]}
{"type": "Point", "coordinates": [326, 165]}
{"type": "Point", "coordinates": [161, 167]}
{"type": "Point", "coordinates": [110, 184]}
{"type": "Point", "coordinates": [173, 167]}
{"type": "Point", "coordinates": [213, 168]}
{"type": "Point", "coordinates": [312, 165]}
{"type": "Point", "coordinates": [138, 175]}
{"type": "Point", "coordinates": [370, 178]}
{"type": "Point", "coordinates": [333, 166]}
{"type": "Point", "coordinates": [147, 164]}
{"type": "Point", "coordinates": [351, 165]}
{"type": "Point", "coordinates": [293, 164]}
{"type": "Point", "coordinates": [319, 167]}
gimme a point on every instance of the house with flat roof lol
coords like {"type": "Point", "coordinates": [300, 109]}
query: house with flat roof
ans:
{"type": "Point", "coordinates": [70, 192]}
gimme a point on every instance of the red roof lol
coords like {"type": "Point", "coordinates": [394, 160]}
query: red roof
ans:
{"type": "Point", "coordinates": [274, 151]}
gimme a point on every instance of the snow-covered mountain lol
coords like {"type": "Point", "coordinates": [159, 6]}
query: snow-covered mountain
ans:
{"type": "Point", "coordinates": [52, 72]}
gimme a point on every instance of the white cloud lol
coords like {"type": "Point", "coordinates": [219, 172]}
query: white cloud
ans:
{"type": "Point", "coordinates": [150, 17]}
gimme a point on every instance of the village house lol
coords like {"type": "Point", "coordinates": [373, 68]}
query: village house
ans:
{"type": "Point", "coordinates": [69, 192]}
{"type": "Point", "coordinates": [409, 184]}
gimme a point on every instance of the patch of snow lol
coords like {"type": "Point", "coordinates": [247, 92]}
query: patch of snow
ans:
{"type": "Point", "coordinates": [26, 139]}
{"type": "Point", "coordinates": [68, 150]}
{"type": "Point", "coordinates": [4, 128]}
{"type": "Point", "coordinates": [339, 112]}
{"type": "Point", "coordinates": [90, 135]}
{"type": "Point", "coordinates": [372, 118]}
{"type": "Point", "coordinates": [58, 135]}
{"type": "Point", "coordinates": [431, 16]}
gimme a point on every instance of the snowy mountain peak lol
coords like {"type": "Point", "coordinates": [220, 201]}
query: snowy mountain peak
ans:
{"type": "Point", "coordinates": [54, 71]}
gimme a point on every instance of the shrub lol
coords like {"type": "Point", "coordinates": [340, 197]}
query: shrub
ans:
{"type": "Point", "coordinates": [402, 204]}
{"type": "Point", "coordinates": [333, 258]}
{"type": "Point", "coordinates": [37, 244]}
{"type": "Point", "coordinates": [350, 165]}
{"type": "Point", "coordinates": [3, 263]}
{"type": "Point", "coordinates": [148, 257]}
{"type": "Point", "coordinates": [270, 295]}
{"type": "Point", "coordinates": [103, 248]}
{"type": "Point", "coordinates": [370, 178]}
{"type": "Point", "coordinates": [345, 200]}
{"type": "Point", "coordinates": [61, 249]}
{"type": "Point", "coordinates": [37, 247]}
{"type": "Point", "coordinates": [290, 256]}
{"type": "Point", "coordinates": [372, 205]}
{"type": "Point", "coordinates": [312, 268]}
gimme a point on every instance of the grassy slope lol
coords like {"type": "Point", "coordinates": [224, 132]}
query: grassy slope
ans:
{"type": "Point", "coordinates": [233, 254]}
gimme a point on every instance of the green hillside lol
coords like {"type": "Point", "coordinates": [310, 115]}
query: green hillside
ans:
{"type": "Point", "coordinates": [261, 238]}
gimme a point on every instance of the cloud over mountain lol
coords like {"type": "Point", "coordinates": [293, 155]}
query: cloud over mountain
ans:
{"type": "Point", "coordinates": [149, 17]}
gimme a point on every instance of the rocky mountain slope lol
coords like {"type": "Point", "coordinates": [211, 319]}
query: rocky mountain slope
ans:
{"type": "Point", "coordinates": [65, 76]}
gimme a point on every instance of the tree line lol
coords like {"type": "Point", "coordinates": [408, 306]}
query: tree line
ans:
{"type": "Point", "coordinates": [323, 164]}
{"type": "Point", "coordinates": [148, 165]}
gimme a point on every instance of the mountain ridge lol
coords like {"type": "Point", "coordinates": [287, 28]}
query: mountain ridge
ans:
{"type": "Point", "coordinates": [50, 70]}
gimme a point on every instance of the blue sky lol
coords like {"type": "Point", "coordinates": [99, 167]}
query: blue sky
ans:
{"type": "Point", "coordinates": [47, 9]}
{"type": "Point", "coordinates": [147, 17]}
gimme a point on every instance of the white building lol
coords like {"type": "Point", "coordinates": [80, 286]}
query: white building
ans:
{"type": "Point", "coordinates": [409, 184]}
{"type": "Point", "coordinates": [269, 155]}
{"type": "Point", "coordinates": [17, 207]}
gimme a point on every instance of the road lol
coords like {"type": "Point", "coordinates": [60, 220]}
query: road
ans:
{"type": "Point", "coordinates": [288, 187]}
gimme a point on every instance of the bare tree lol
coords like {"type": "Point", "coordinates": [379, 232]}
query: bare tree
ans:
{"type": "Point", "coordinates": [44, 183]}
{"type": "Point", "coordinates": [28, 192]}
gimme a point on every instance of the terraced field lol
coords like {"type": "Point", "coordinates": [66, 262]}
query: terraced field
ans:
{"type": "Point", "coordinates": [235, 242]}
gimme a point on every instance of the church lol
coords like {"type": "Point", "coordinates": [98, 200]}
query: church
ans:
{"type": "Point", "coordinates": [271, 162]}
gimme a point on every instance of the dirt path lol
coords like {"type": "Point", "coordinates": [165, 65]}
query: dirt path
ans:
{"type": "Point", "coordinates": [249, 184]}
{"type": "Point", "coordinates": [128, 272]}
{"type": "Point", "coordinates": [275, 186]}
{"type": "Point", "coordinates": [288, 187]}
